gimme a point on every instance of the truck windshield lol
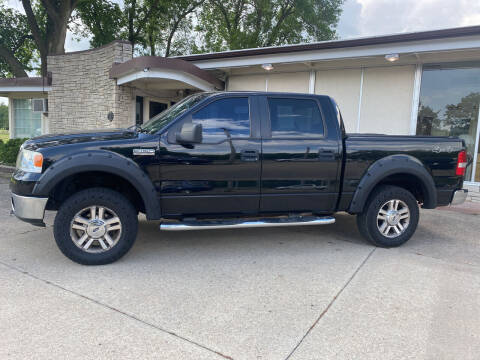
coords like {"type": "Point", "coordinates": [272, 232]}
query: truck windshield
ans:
{"type": "Point", "coordinates": [159, 121]}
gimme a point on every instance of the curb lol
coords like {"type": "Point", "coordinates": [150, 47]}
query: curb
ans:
{"type": "Point", "coordinates": [5, 169]}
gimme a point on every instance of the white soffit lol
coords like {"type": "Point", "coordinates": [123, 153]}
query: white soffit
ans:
{"type": "Point", "coordinates": [438, 45]}
{"type": "Point", "coordinates": [167, 74]}
{"type": "Point", "coordinates": [17, 89]}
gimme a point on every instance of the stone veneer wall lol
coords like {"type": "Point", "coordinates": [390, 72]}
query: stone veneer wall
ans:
{"type": "Point", "coordinates": [82, 92]}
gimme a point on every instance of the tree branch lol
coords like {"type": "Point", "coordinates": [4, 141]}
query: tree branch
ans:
{"type": "Point", "coordinates": [16, 66]}
{"type": "Point", "coordinates": [284, 13]}
{"type": "Point", "coordinates": [177, 22]}
{"type": "Point", "coordinates": [52, 10]}
{"type": "Point", "coordinates": [143, 21]}
{"type": "Point", "coordinates": [225, 16]}
{"type": "Point", "coordinates": [37, 34]}
{"type": "Point", "coordinates": [21, 41]}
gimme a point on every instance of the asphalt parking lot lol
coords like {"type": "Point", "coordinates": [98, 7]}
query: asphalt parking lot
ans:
{"type": "Point", "coordinates": [285, 293]}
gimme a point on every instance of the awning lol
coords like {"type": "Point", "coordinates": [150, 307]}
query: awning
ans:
{"type": "Point", "coordinates": [161, 73]}
{"type": "Point", "coordinates": [24, 85]}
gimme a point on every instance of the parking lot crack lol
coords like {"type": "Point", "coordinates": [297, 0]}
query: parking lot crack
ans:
{"type": "Point", "coordinates": [118, 311]}
{"type": "Point", "coordinates": [337, 295]}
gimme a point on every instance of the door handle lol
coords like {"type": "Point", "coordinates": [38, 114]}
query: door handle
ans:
{"type": "Point", "coordinates": [249, 155]}
{"type": "Point", "coordinates": [326, 154]}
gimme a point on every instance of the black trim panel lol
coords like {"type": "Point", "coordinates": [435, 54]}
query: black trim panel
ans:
{"type": "Point", "coordinates": [391, 165]}
{"type": "Point", "coordinates": [104, 161]}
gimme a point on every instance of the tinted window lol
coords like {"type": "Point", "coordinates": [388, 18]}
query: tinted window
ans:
{"type": "Point", "coordinates": [231, 114]}
{"type": "Point", "coordinates": [161, 120]}
{"type": "Point", "coordinates": [295, 118]}
{"type": "Point", "coordinates": [449, 100]}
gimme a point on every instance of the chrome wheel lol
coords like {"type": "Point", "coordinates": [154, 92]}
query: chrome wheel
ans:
{"type": "Point", "coordinates": [393, 218]}
{"type": "Point", "coordinates": [95, 229]}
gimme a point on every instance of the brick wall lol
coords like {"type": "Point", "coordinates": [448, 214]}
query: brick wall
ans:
{"type": "Point", "coordinates": [82, 92]}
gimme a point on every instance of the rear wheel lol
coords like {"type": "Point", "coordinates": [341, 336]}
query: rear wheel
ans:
{"type": "Point", "coordinates": [390, 216]}
{"type": "Point", "coordinates": [95, 226]}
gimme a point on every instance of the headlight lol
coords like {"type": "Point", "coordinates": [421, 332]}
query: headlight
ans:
{"type": "Point", "coordinates": [29, 161]}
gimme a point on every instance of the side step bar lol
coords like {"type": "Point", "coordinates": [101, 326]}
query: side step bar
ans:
{"type": "Point", "coordinates": [246, 223]}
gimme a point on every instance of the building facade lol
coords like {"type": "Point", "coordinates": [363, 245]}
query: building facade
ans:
{"type": "Point", "coordinates": [425, 83]}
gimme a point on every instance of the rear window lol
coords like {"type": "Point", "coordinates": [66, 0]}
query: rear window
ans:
{"type": "Point", "coordinates": [295, 118]}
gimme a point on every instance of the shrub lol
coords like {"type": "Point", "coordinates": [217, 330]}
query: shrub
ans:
{"type": "Point", "coordinates": [9, 151]}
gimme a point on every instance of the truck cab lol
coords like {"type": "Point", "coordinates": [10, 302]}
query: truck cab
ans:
{"type": "Point", "coordinates": [256, 154]}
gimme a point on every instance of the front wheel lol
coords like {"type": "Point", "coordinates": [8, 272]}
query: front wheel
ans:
{"type": "Point", "coordinates": [95, 226]}
{"type": "Point", "coordinates": [390, 216]}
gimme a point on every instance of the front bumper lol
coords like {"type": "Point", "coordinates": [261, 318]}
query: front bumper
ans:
{"type": "Point", "coordinates": [459, 197]}
{"type": "Point", "coordinates": [30, 209]}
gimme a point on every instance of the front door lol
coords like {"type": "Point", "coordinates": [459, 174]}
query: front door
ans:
{"type": "Point", "coordinates": [300, 156]}
{"type": "Point", "coordinates": [156, 108]}
{"type": "Point", "coordinates": [220, 175]}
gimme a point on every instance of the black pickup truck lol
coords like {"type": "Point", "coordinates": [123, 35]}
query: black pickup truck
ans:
{"type": "Point", "coordinates": [232, 160]}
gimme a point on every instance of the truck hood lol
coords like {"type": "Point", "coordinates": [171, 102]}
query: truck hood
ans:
{"type": "Point", "coordinates": [96, 136]}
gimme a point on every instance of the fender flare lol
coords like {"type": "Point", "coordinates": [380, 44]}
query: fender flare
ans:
{"type": "Point", "coordinates": [104, 161]}
{"type": "Point", "coordinates": [391, 165]}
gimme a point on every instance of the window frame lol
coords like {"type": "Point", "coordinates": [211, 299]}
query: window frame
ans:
{"type": "Point", "coordinates": [267, 133]}
{"type": "Point", "coordinates": [13, 126]}
{"type": "Point", "coordinates": [189, 117]}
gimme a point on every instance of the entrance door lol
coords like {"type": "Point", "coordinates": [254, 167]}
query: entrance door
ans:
{"type": "Point", "coordinates": [156, 108]}
{"type": "Point", "coordinates": [139, 110]}
{"type": "Point", "coordinates": [300, 161]}
{"type": "Point", "coordinates": [220, 175]}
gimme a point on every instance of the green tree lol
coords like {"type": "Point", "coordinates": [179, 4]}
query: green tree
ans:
{"type": "Point", "coordinates": [461, 117]}
{"type": "Point", "coordinates": [101, 19]}
{"type": "Point", "coordinates": [239, 24]}
{"type": "Point", "coordinates": [105, 20]}
{"type": "Point", "coordinates": [48, 22]}
{"type": "Point", "coordinates": [154, 26]}
{"type": "Point", "coordinates": [43, 28]}
{"type": "Point", "coordinates": [169, 30]}
{"type": "Point", "coordinates": [16, 43]}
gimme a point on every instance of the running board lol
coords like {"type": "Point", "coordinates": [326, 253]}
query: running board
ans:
{"type": "Point", "coordinates": [195, 224]}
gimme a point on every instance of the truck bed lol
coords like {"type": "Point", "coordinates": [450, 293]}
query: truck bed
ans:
{"type": "Point", "coordinates": [438, 154]}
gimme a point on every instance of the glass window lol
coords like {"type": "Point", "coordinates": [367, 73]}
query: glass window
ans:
{"type": "Point", "coordinates": [164, 118]}
{"type": "Point", "coordinates": [139, 110]}
{"type": "Point", "coordinates": [449, 104]}
{"type": "Point", "coordinates": [295, 118]}
{"type": "Point", "coordinates": [27, 123]}
{"type": "Point", "coordinates": [231, 114]}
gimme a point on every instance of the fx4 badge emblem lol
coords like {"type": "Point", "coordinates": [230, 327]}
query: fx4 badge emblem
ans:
{"type": "Point", "coordinates": [144, 152]}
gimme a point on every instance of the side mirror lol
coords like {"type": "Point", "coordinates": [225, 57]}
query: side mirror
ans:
{"type": "Point", "coordinates": [189, 134]}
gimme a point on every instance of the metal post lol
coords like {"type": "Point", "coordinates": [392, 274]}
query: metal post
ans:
{"type": "Point", "coordinates": [475, 155]}
{"type": "Point", "coordinates": [416, 98]}
{"type": "Point", "coordinates": [311, 85]}
{"type": "Point", "coordinates": [360, 101]}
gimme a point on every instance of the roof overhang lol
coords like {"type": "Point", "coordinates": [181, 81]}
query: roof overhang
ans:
{"type": "Point", "coordinates": [164, 73]}
{"type": "Point", "coordinates": [456, 39]}
{"type": "Point", "coordinates": [24, 85]}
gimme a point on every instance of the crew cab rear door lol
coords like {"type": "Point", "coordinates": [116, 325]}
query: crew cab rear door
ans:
{"type": "Point", "coordinates": [221, 175]}
{"type": "Point", "coordinates": [301, 154]}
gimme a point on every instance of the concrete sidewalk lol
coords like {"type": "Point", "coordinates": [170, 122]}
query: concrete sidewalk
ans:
{"type": "Point", "coordinates": [290, 293]}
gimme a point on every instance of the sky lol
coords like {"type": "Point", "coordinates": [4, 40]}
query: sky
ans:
{"type": "Point", "coordinates": [375, 17]}
{"type": "Point", "coordinates": [380, 17]}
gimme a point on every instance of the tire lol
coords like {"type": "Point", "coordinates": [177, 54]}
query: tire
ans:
{"type": "Point", "coordinates": [101, 240]}
{"type": "Point", "coordinates": [383, 225]}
